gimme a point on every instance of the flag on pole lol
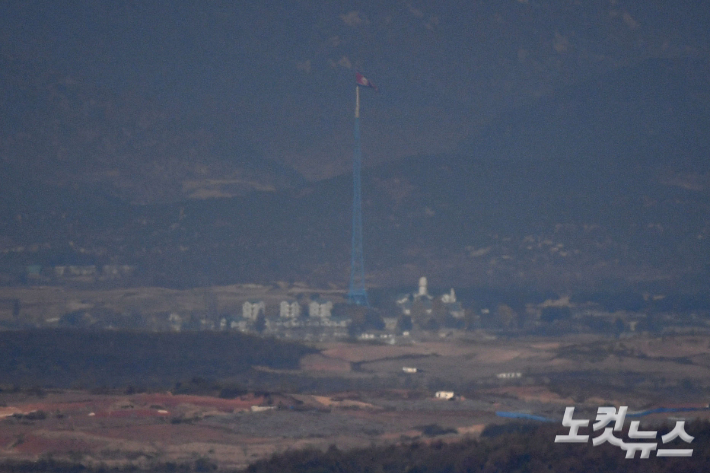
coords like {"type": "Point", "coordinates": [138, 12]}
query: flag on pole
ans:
{"type": "Point", "coordinates": [364, 82]}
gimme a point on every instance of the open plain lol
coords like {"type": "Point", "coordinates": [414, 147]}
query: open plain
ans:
{"type": "Point", "coordinates": [361, 396]}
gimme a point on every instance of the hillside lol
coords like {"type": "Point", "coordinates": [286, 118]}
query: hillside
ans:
{"type": "Point", "coordinates": [67, 133]}
{"type": "Point", "coordinates": [159, 102]}
{"type": "Point", "coordinates": [603, 185]}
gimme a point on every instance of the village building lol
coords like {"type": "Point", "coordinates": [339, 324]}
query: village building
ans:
{"type": "Point", "coordinates": [117, 270]}
{"type": "Point", "coordinates": [453, 307]}
{"type": "Point", "coordinates": [320, 308]}
{"type": "Point", "coordinates": [390, 323]}
{"type": "Point", "coordinates": [423, 303]}
{"type": "Point", "coordinates": [289, 309]}
{"type": "Point", "coordinates": [251, 309]}
{"type": "Point", "coordinates": [239, 325]}
{"type": "Point", "coordinates": [421, 298]}
{"type": "Point", "coordinates": [445, 395]}
{"type": "Point", "coordinates": [509, 375]}
{"type": "Point", "coordinates": [89, 270]}
{"type": "Point", "coordinates": [449, 298]}
{"type": "Point", "coordinates": [175, 322]}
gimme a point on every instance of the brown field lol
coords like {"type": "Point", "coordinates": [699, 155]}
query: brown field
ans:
{"type": "Point", "coordinates": [586, 372]}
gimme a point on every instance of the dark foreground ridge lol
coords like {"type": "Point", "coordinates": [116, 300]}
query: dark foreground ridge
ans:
{"type": "Point", "coordinates": [528, 449]}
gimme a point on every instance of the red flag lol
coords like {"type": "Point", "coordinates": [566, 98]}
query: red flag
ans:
{"type": "Point", "coordinates": [364, 82]}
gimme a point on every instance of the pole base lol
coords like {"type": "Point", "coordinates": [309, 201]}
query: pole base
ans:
{"type": "Point", "coordinates": [358, 298]}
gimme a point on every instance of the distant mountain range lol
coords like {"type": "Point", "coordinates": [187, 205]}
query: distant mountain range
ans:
{"type": "Point", "coordinates": [531, 143]}
{"type": "Point", "coordinates": [165, 101]}
{"type": "Point", "coordinates": [63, 132]}
{"type": "Point", "coordinates": [604, 185]}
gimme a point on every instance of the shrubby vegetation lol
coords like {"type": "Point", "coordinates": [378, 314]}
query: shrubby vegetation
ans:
{"type": "Point", "coordinates": [95, 359]}
{"type": "Point", "coordinates": [523, 447]}
{"type": "Point", "coordinates": [530, 449]}
{"type": "Point", "coordinates": [50, 465]}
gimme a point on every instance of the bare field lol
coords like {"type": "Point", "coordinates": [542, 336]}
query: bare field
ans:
{"type": "Point", "coordinates": [585, 372]}
{"type": "Point", "coordinates": [117, 430]}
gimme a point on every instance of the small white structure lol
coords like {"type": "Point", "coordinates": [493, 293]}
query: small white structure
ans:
{"type": "Point", "coordinates": [423, 287]}
{"type": "Point", "coordinates": [240, 325]}
{"type": "Point", "coordinates": [446, 395]}
{"type": "Point", "coordinates": [289, 309]}
{"type": "Point", "coordinates": [320, 308]}
{"type": "Point", "coordinates": [390, 323]}
{"type": "Point", "coordinates": [262, 408]}
{"type": "Point", "coordinates": [449, 298]}
{"type": "Point", "coordinates": [115, 270]}
{"type": "Point", "coordinates": [252, 309]}
{"type": "Point", "coordinates": [421, 296]}
{"type": "Point", "coordinates": [508, 375]}
{"type": "Point", "coordinates": [81, 270]}
{"type": "Point", "coordinates": [409, 369]}
{"type": "Point", "coordinates": [175, 321]}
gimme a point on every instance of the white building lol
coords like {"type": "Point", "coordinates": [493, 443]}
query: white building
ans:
{"type": "Point", "coordinates": [320, 308]}
{"type": "Point", "coordinates": [80, 270]}
{"type": "Point", "coordinates": [289, 309]}
{"type": "Point", "coordinates": [252, 309]}
{"type": "Point", "coordinates": [446, 395]}
{"type": "Point", "coordinates": [390, 323]}
{"type": "Point", "coordinates": [449, 298]}
{"type": "Point", "coordinates": [405, 301]}
{"type": "Point", "coordinates": [508, 375]}
{"type": "Point", "coordinates": [423, 287]}
{"type": "Point", "coordinates": [175, 321]}
{"type": "Point", "coordinates": [241, 325]}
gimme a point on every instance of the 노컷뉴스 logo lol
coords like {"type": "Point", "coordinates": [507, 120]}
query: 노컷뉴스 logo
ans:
{"type": "Point", "coordinates": [605, 415]}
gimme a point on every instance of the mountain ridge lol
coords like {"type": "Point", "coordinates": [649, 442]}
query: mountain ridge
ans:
{"type": "Point", "coordinates": [572, 216]}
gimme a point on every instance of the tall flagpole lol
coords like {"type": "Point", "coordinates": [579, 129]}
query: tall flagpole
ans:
{"type": "Point", "coordinates": [357, 293]}
{"type": "Point", "coordinates": [357, 102]}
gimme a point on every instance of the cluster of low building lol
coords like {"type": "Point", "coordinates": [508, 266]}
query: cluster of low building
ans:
{"type": "Point", "coordinates": [308, 321]}
{"type": "Point", "coordinates": [424, 302]}
{"type": "Point", "coordinates": [314, 319]}
{"type": "Point", "coordinates": [90, 272]}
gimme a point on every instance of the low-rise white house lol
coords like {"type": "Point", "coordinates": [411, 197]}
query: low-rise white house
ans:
{"type": "Point", "coordinates": [240, 325]}
{"type": "Point", "coordinates": [175, 321]}
{"type": "Point", "coordinates": [252, 309]}
{"type": "Point", "coordinates": [449, 298]}
{"type": "Point", "coordinates": [452, 306]}
{"type": "Point", "coordinates": [81, 270]}
{"type": "Point", "coordinates": [508, 375]}
{"type": "Point", "coordinates": [446, 395]}
{"type": "Point", "coordinates": [320, 308]}
{"type": "Point", "coordinates": [289, 309]}
{"type": "Point", "coordinates": [390, 323]}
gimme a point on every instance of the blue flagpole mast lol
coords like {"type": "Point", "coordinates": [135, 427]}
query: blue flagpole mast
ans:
{"type": "Point", "coordinates": [357, 293]}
